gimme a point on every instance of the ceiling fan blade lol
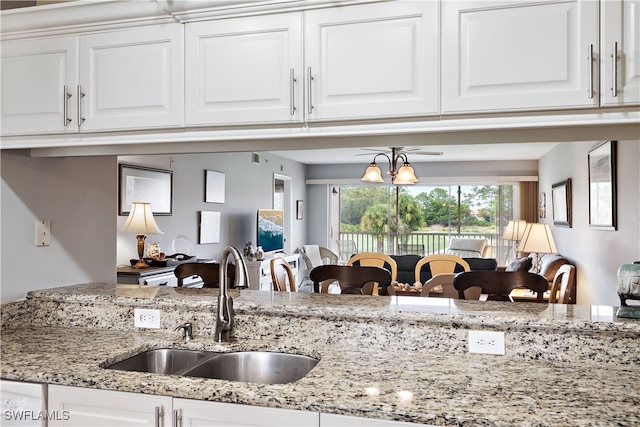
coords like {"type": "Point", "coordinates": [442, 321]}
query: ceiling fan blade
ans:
{"type": "Point", "coordinates": [428, 153]}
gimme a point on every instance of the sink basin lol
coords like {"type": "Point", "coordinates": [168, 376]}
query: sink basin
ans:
{"type": "Point", "coordinates": [255, 367]}
{"type": "Point", "coordinates": [161, 361]}
{"type": "Point", "coordinates": [245, 366]}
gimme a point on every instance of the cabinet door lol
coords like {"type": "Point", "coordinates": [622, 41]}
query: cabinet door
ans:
{"type": "Point", "coordinates": [620, 80]}
{"type": "Point", "coordinates": [195, 413]}
{"type": "Point", "coordinates": [81, 407]}
{"type": "Point", "coordinates": [519, 55]}
{"type": "Point", "coordinates": [132, 78]}
{"type": "Point", "coordinates": [35, 75]}
{"type": "Point", "coordinates": [376, 60]}
{"type": "Point", "coordinates": [244, 70]}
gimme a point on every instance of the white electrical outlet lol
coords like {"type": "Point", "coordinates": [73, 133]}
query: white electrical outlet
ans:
{"type": "Point", "coordinates": [146, 318]}
{"type": "Point", "coordinates": [486, 342]}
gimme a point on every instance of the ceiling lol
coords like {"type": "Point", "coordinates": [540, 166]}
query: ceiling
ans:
{"type": "Point", "coordinates": [451, 153]}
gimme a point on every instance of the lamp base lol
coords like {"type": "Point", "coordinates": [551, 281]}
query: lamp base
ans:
{"type": "Point", "coordinates": [140, 264]}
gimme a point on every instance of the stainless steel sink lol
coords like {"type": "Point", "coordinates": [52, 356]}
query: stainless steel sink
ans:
{"type": "Point", "coordinates": [245, 366]}
{"type": "Point", "coordinates": [161, 361]}
{"type": "Point", "coordinates": [254, 367]}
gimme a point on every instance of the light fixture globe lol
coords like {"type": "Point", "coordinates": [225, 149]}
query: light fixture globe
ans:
{"type": "Point", "coordinates": [405, 175]}
{"type": "Point", "coordinates": [372, 174]}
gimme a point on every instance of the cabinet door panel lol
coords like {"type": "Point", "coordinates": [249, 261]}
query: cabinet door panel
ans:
{"type": "Point", "coordinates": [34, 74]}
{"type": "Point", "coordinates": [620, 25]}
{"type": "Point", "coordinates": [239, 70]}
{"type": "Point", "coordinates": [196, 413]}
{"type": "Point", "coordinates": [378, 60]}
{"type": "Point", "coordinates": [516, 55]}
{"type": "Point", "coordinates": [83, 407]}
{"type": "Point", "coordinates": [132, 78]}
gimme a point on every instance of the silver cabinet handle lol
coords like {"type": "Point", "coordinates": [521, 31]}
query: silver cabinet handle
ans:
{"type": "Point", "coordinates": [81, 95]}
{"type": "Point", "coordinates": [590, 61]}
{"type": "Point", "coordinates": [292, 89]}
{"type": "Point", "coordinates": [614, 70]}
{"type": "Point", "coordinates": [65, 106]}
{"type": "Point", "coordinates": [159, 416]}
{"type": "Point", "coordinates": [177, 419]}
{"type": "Point", "coordinates": [309, 101]}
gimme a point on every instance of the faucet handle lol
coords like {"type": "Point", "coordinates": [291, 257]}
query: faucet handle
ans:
{"type": "Point", "coordinates": [187, 331]}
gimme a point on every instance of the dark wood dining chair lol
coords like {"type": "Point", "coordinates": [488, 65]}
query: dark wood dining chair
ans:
{"type": "Point", "coordinates": [351, 278]}
{"type": "Point", "coordinates": [209, 272]}
{"type": "Point", "coordinates": [281, 275]}
{"type": "Point", "coordinates": [499, 284]}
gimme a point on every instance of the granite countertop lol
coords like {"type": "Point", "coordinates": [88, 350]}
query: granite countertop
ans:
{"type": "Point", "coordinates": [360, 374]}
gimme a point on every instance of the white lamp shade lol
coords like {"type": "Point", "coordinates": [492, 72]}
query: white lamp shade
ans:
{"type": "Point", "coordinates": [405, 175]}
{"type": "Point", "coordinates": [515, 230]}
{"type": "Point", "coordinates": [140, 220]}
{"type": "Point", "coordinates": [537, 238]}
{"type": "Point", "coordinates": [372, 174]}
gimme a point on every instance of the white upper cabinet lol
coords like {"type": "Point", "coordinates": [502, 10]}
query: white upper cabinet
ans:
{"type": "Point", "coordinates": [620, 62]}
{"type": "Point", "coordinates": [519, 55]}
{"type": "Point", "coordinates": [115, 80]}
{"type": "Point", "coordinates": [132, 79]}
{"type": "Point", "coordinates": [244, 70]}
{"type": "Point", "coordinates": [374, 60]}
{"type": "Point", "coordinates": [37, 75]}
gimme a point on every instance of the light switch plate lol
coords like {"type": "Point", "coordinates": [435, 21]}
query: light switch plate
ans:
{"type": "Point", "coordinates": [43, 233]}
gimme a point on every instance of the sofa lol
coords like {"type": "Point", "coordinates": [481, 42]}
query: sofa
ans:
{"type": "Point", "coordinates": [407, 265]}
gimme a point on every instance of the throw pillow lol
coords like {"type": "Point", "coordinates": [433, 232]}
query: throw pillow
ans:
{"type": "Point", "coordinates": [520, 264]}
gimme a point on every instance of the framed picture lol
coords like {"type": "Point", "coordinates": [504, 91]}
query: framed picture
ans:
{"type": "Point", "coordinates": [561, 203]}
{"type": "Point", "coordinates": [602, 186]}
{"type": "Point", "coordinates": [542, 205]}
{"type": "Point", "coordinates": [143, 184]}
{"type": "Point", "coordinates": [214, 187]}
{"type": "Point", "coordinates": [299, 208]}
{"type": "Point", "coordinates": [209, 227]}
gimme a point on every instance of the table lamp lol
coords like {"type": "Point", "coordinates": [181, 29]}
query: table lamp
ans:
{"type": "Point", "coordinates": [141, 222]}
{"type": "Point", "coordinates": [514, 232]}
{"type": "Point", "coordinates": [537, 238]}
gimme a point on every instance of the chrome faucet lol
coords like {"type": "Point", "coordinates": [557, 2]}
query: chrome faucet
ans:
{"type": "Point", "coordinates": [224, 315]}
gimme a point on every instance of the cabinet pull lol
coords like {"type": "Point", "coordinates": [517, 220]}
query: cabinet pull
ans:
{"type": "Point", "coordinates": [81, 95]}
{"type": "Point", "coordinates": [590, 60]}
{"type": "Point", "coordinates": [65, 106]}
{"type": "Point", "coordinates": [177, 419]}
{"type": "Point", "coordinates": [159, 415]}
{"type": "Point", "coordinates": [614, 70]}
{"type": "Point", "coordinates": [292, 89]}
{"type": "Point", "coordinates": [309, 80]}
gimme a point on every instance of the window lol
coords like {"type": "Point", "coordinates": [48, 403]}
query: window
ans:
{"type": "Point", "coordinates": [422, 219]}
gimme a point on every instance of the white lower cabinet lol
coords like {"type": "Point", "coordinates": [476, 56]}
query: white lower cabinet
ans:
{"type": "Point", "coordinates": [82, 407]}
{"type": "Point", "coordinates": [197, 413]}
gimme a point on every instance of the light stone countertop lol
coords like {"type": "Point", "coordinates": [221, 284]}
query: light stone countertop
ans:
{"type": "Point", "coordinates": [380, 357]}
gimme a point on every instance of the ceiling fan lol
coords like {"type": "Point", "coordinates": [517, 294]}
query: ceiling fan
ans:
{"type": "Point", "coordinates": [399, 150]}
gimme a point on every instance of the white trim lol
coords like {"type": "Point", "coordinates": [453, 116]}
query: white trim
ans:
{"type": "Point", "coordinates": [428, 180]}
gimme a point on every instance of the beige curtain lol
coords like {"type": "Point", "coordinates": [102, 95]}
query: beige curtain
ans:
{"type": "Point", "coordinates": [529, 201]}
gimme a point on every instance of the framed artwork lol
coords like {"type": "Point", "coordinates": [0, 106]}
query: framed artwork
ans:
{"type": "Point", "coordinates": [542, 205]}
{"type": "Point", "coordinates": [299, 208]}
{"type": "Point", "coordinates": [602, 186]}
{"type": "Point", "coordinates": [561, 203]}
{"type": "Point", "coordinates": [143, 184]}
{"type": "Point", "coordinates": [209, 227]}
{"type": "Point", "coordinates": [214, 186]}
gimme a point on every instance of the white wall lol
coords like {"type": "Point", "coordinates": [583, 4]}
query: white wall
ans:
{"type": "Point", "coordinates": [79, 197]}
{"type": "Point", "coordinates": [597, 254]}
{"type": "Point", "coordinates": [249, 187]}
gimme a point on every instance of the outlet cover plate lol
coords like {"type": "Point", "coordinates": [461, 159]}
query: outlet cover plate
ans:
{"type": "Point", "coordinates": [146, 318]}
{"type": "Point", "coordinates": [486, 342]}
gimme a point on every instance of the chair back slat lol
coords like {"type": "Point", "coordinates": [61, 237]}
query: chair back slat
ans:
{"type": "Point", "coordinates": [499, 284]}
{"type": "Point", "coordinates": [352, 279]}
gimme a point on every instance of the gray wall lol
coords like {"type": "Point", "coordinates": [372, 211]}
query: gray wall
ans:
{"type": "Point", "coordinates": [78, 196]}
{"type": "Point", "coordinates": [597, 254]}
{"type": "Point", "coordinates": [249, 187]}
